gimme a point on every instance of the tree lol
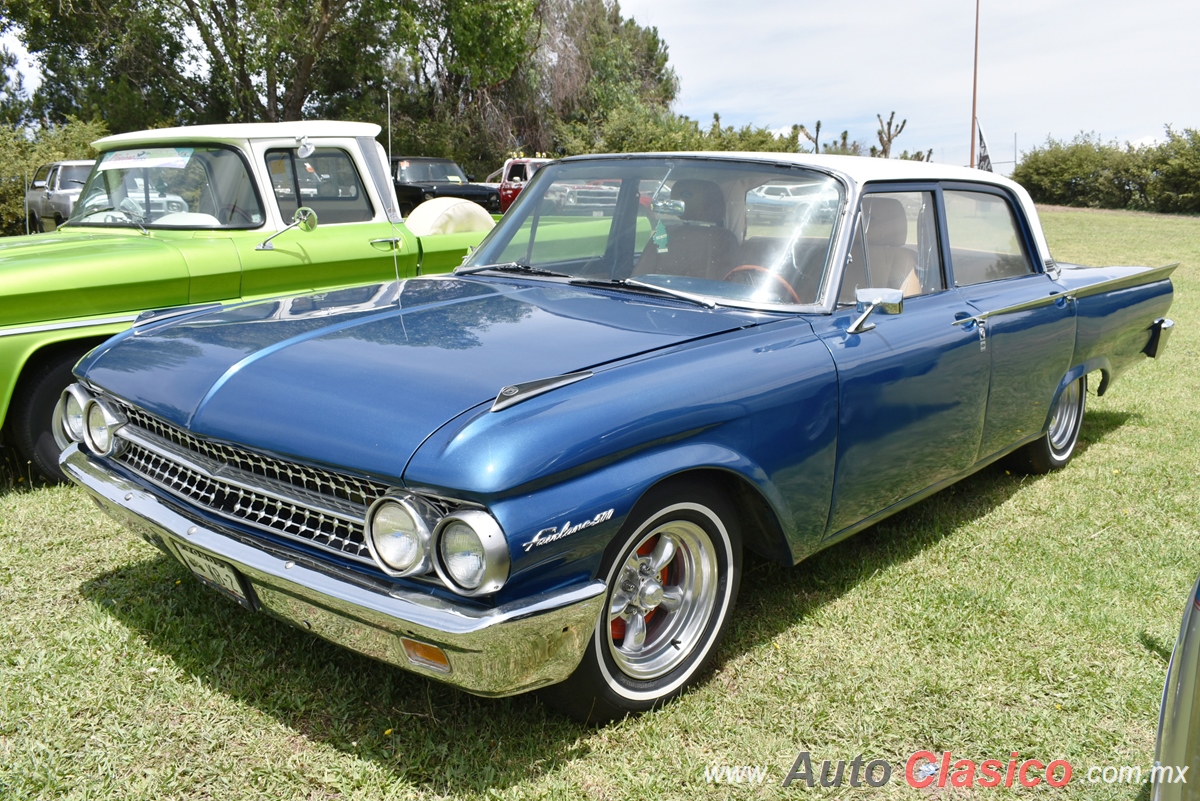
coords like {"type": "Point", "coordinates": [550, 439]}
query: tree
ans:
{"type": "Point", "coordinates": [138, 63]}
{"type": "Point", "coordinates": [21, 155]}
{"type": "Point", "coordinates": [887, 134]}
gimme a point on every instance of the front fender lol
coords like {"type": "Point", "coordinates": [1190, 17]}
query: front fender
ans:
{"type": "Point", "coordinates": [760, 402]}
{"type": "Point", "coordinates": [605, 496]}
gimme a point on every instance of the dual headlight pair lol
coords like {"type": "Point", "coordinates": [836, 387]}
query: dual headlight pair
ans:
{"type": "Point", "coordinates": [90, 420]}
{"type": "Point", "coordinates": [407, 536]}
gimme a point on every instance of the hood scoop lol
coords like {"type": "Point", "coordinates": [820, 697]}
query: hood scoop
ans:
{"type": "Point", "coordinates": [516, 393]}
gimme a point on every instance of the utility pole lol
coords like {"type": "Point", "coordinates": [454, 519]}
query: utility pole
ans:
{"type": "Point", "coordinates": [975, 85]}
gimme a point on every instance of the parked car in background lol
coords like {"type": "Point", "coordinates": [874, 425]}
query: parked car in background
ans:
{"type": "Point", "coordinates": [513, 176]}
{"type": "Point", "coordinates": [51, 196]}
{"type": "Point", "coordinates": [419, 179]}
{"type": "Point", "coordinates": [542, 470]}
{"type": "Point", "coordinates": [1177, 752]}
{"type": "Point", "coordinates": [183, 216]}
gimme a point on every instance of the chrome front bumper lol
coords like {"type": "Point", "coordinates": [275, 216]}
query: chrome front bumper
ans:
{"type": "Point", "coordinates": [499, 651]}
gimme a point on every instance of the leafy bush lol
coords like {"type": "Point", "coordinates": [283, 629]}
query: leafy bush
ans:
{"type": "Point", "coordinates": [1091, 173]}
{"type": "Point", "coordinates": [1086, 172]}
{"type": "Point", "coordinates": [1175, 181]}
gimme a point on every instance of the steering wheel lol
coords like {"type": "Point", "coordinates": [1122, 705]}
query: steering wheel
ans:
{"type": "Point", "coordinates": [231, 211]}
{"type": "Point", "coordinates": [753, 269]}
{"type": "Point", "coordinates": [132, 208]}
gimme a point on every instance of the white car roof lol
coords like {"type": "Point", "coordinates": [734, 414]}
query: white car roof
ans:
{"type": "Point", "coordinates": [239, 132]}
{"type": "Point", "coordinates": [859, 169]}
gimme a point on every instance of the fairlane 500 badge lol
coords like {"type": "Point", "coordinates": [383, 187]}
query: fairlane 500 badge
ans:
{"type": "Point", "coordinates": [548, 535]}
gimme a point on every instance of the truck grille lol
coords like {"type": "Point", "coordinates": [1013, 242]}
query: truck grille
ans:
{"type": "Point", "coordinates": [318, 507]}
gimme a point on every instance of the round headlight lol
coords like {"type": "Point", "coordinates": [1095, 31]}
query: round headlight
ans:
{"type": "Point", "coordinates": [472, 553]}
{"type": "Point", "coordinates": [462, 554]}
{"type": "Point", "coordinates": [398, 537]}
{"type": "Point", "coordinates": [72, 414]}
{"type": "Point", "coordinates": [98, 435]}
{"type": "Point", "coordinates": [100, 426]}
{"type": "Point", "coordinates": [73, 417]}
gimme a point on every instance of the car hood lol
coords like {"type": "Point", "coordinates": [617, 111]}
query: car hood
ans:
{"type": "Point", "coordinates": [74, 273]}
{"type": "Point", "coordinates": [357, 378]}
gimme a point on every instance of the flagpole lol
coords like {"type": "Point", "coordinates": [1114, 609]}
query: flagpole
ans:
{"type": "Point", "coordinates": [975, 84]}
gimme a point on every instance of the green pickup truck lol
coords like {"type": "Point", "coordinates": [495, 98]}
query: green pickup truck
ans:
{"type": "Point", "coordinates": [184, 216]}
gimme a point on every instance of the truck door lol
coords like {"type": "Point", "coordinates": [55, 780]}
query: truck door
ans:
{"type": "Point", "coordinates": [354, 244]}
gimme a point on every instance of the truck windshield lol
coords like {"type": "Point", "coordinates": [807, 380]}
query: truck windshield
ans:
{"type": "Point", "coordinates": [189, 187]}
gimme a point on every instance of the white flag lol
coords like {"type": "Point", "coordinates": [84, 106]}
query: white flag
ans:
{"type": "Point", "coordinates": [985, 161]}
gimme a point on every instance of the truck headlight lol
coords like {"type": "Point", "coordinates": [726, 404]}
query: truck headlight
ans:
{"type": "Point", "coordinates": [100, 427]}
{"type": "Point", "coordinates": [472, 553]}
{"type": "Point", "coordinates": [398, 534]}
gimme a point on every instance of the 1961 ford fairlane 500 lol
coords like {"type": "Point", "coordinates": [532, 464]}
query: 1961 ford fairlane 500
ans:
{"type": "Point", "coordinates": [542, 470]}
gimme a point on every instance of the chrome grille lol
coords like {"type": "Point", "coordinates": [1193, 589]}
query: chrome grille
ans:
{"type": "Point", "coordinates": [322, 482]}
{"type": "Point", "coordinates": [316, 506]}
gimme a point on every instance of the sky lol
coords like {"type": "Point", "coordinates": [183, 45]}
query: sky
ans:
{"type": "Point", "coordinates": [1123, 70]}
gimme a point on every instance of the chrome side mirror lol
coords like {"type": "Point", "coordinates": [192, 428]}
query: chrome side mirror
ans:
{"type": "Point", "coordinates": [870, 299]}
{"type": "Point", "coordinates": [305, 219]}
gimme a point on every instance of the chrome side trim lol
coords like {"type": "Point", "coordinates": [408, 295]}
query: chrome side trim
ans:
{"type": "Point", "coordinates": [1017, 307]}
{"type": "Point", "coordinates": [493, 651]}
{"type": "Point", "coordinates": [159, 315]}
{"type": "Point", "coordinates": [1148, 276]}
{"type": "Point", "coordinates": [37, 329]}
{"type": "Point", "coordinates": [515, 393]}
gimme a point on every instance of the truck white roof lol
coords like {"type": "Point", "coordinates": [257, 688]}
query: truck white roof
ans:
{"type": "Point", "coordinates": [241, 132]}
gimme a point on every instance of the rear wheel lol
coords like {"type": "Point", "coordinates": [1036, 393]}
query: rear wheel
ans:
{"type": "Point", "coordinates": [32, 414]}
{"type": "Point", "coordinates": [35, 225]}
{"type": "Point", "coordinates": [1056, 447]}
{"type": "Point", "coordinates": [672, 576]}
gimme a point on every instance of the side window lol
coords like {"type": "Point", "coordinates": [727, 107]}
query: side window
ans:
{"type": "Point", "coordinates": [985, 241]}
{"type": "Point", "coordinates": [51, 178]}
{"type": "Point", "coordinates": [895, 246]}
{"type": "Point", "coordinates": [41, 173]}
{"type": "Point", "coordinates": [326, 182]}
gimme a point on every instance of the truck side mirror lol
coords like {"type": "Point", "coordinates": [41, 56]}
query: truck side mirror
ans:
{"type": "Point", "coordinates": [305, 219]}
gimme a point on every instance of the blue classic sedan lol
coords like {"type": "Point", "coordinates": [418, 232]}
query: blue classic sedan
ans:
{"type": "Point", "coordinates": [542, 470]}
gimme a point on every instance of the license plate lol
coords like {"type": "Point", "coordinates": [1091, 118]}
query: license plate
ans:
{"type": "Point", "coordinates": [213, 572]}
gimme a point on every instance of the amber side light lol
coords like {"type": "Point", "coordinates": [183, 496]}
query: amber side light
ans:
{"type": "Point", "coordinates": [426, 655]}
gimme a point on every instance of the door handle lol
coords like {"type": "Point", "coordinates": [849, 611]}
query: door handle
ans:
{"type": "Point", "coordinates": [395, 243]}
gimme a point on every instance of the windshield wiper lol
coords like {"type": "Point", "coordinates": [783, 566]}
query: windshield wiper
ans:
{"type": "Point", "coordinates": [511, 267]}
{"type": "Point", "coordinates": [641, 285]}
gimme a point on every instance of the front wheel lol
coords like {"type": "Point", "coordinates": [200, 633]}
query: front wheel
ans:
{"type": "Point", "coordinates": [672, 574]}
{"type": "Point", "coordinates": [1054, 449]}
{"type": "Point", "coordinates": [32, 414]}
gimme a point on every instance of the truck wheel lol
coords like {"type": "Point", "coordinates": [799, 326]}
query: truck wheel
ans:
{"type": "Point", "coordinates": [32, 414]}
{"type": "Point", "coordinates": [1057, 445]}
{"type": "Point", "coordinates": [35, 225]}
{"type": "Point", "coordinates": [672, 575]}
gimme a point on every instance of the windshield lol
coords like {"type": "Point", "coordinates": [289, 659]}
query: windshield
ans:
{"type": "Point", "coordinates": [71, 177]}
{"type": "Point", "coordinates": [202, 186]}
{"type": "Point", "coordinates": [737, 232]}
{"type": "Point", "coordinates": [411, 171]}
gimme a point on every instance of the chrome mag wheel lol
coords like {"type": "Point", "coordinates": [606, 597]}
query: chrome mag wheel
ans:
{"type": "Point", "coordinates": [662, 600]}
{"type": "Point", "coordinates": [1064, 422]}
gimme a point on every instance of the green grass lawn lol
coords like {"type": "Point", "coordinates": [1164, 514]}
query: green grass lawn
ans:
{"type": "Point", "coordinates": [1005, 614]}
